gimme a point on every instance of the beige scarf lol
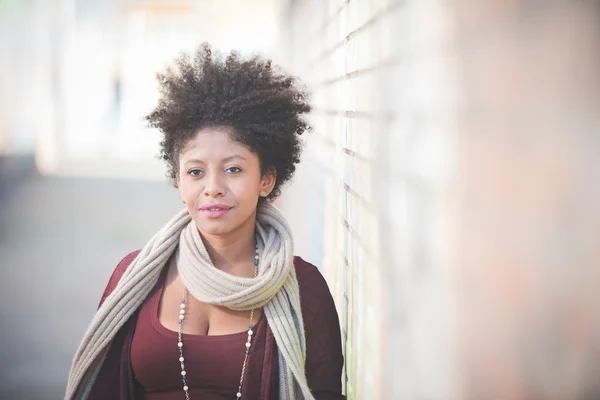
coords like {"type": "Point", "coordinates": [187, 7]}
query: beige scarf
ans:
{"type": "Point", "coordinates": [275, 288]}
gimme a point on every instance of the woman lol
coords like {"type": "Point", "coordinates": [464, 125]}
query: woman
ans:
{"type": "Point", "coordinates": [216, 306]}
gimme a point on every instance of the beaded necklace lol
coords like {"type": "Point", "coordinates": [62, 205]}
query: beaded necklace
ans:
{"type": "Point", "coordinates": [180, 334]}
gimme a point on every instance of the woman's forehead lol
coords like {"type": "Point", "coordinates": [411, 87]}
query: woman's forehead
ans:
{"type": "Point", "coordinates": [215, 144]}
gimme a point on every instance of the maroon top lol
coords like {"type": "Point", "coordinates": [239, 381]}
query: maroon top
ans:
{"type": "Point", "coordinates": [213, 366]}
{"type": "Point", "coordinates": [324, 360]}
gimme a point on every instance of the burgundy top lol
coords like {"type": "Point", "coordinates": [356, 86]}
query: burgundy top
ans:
{"type": "Point", "coordinates": [324, 359]}
{"type": "Point", "coordinates": [213, 363]}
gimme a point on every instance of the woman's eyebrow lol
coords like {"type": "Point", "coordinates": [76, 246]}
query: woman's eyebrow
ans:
{"type": "Point", "coordinates": [194, 161]}
{"type": "Point", "coordinates": [233, 157]}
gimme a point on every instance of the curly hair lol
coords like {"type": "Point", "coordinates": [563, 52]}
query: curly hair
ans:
{"type": "Point", "coordinates": [264, 107]}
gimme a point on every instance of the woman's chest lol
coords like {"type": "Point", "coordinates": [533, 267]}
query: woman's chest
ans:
{"type": "Point", "coordinates": [199, 318]}
{"type": "Point", "coordinates": [213, 364]}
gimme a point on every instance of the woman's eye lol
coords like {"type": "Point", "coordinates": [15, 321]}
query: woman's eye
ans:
{"type": "Point", "coordinates": [234, 170]}
{"type": "Point", "coordinates": [195, 172]}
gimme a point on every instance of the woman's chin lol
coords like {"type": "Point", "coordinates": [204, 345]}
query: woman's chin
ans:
{"type": "Point", "coordinates": [213, 228]}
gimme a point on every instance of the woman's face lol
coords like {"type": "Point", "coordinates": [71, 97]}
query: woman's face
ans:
{"type": "Point", "coordinates": [220, 182]}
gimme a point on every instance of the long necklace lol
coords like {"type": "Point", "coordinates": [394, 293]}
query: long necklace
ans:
{"type": "Point", "coordinates": [180, 336]}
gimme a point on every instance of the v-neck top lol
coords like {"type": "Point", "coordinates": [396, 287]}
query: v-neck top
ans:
{"type": "Point", "coordinates": [213, 363]}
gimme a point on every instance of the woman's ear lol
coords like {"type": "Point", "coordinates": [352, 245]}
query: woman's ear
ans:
{"type": "Point", "coordinates": [267, 182]}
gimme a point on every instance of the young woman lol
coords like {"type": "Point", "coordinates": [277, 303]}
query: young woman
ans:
{"type": "Point", "coordinates": [216, 306]}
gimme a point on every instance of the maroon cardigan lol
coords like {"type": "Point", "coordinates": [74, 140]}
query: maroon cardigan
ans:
{"type": "Point", "coordinates": [324, 358]}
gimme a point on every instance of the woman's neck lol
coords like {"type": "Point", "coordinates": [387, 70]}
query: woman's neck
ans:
{"type": "Point", "coordinates": [233, 253]}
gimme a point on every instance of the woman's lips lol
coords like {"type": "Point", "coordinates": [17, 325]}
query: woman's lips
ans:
{"type": "Point", "coordinates": [215, 211]}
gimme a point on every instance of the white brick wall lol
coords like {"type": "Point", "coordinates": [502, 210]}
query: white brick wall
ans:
{"type": "Point", "coordinates": [455, 219]}
{"type": "Point", "coordinates": [370, 202]}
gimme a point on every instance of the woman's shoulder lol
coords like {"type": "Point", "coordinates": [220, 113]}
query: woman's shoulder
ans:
{"type": "Point", "coordinates": [117, 274]}
{"type": "Point", "coordinates": [314, 291]}
{"type": "Point", "coordinates": [307, 273]}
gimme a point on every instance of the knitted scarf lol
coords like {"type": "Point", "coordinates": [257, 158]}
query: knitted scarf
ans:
{"type": "Point", "coordinates": [275, 289]}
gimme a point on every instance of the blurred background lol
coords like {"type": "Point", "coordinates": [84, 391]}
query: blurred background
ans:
{"type": "Point", "coordinates": [450, 192]}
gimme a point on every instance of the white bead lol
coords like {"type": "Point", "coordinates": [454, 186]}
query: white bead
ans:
{"type": "Point", "coordinates": [238, 395]}
{"type": "Point", "coordinates": [182, 305]}
{"type": "Point", "coordinates": [180, 344]}
{"type": "Point", "coordinates": [248, 344]}
{"type": "Point", "coordinates": [185, 388]}
{"type": "Point", "coordinates": [181, 317]}
{"type": "Point", "coordinates": [182, 373]}
{"type": "Point", "coordinates": [182, 311]}
{"type": "Point", "coordinates": [250, 332]}
{"type": "Point", "coordinates": [181, 359]}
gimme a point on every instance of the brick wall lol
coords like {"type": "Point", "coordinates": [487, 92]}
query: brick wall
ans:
{"type": "Point", "coordinates": [450, 192]}
{"type": "Point", "coordinates": [373, 184]}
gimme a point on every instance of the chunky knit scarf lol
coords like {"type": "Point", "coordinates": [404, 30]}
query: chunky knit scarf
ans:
{"type": "Point", "coordinates": [275, 288]}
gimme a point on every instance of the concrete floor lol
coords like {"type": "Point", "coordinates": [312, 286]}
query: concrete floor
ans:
{"type": "Point", "coordinates": [60, 239]}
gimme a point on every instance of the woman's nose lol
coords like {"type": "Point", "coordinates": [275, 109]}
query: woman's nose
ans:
{"type": "Point", "coordinates": [214, 185]}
